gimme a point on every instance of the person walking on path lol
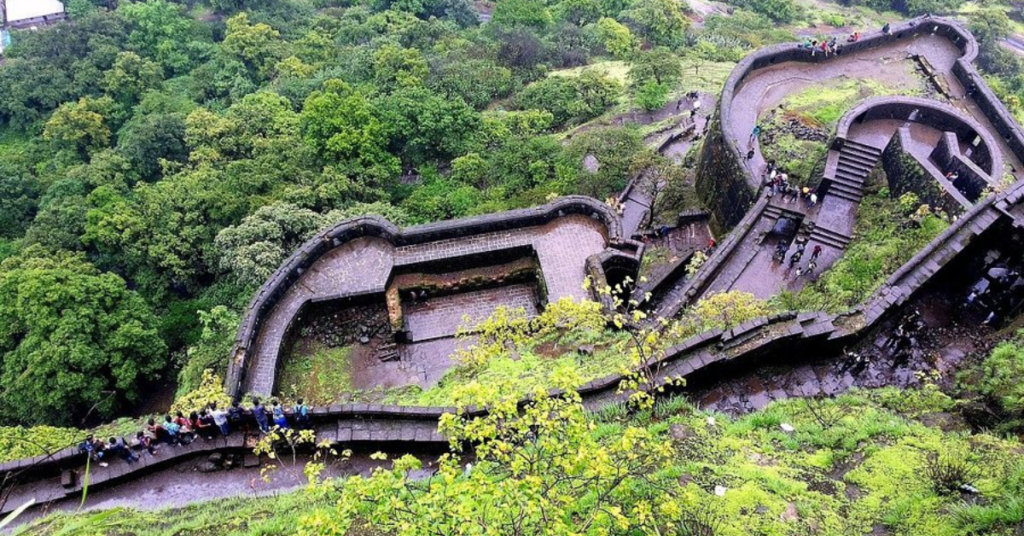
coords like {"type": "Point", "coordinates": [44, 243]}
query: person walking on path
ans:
{"type": "Point", "coordinates": [815, 252]}
{"type": "Point", "coordinates": [886, 30]}
{"type": "Point", "coordinates": [754, 134]}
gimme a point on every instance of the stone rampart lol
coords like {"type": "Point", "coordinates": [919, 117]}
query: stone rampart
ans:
{"type": "Point", "coordinates": [933, 113]}
{"type": "Point", "coordinates": [723, 179]}
{"type": "Point", "coordinates": [371, 226]}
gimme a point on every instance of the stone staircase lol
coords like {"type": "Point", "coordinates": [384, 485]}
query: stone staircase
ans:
{"type": "Point", "coordinates": [856, 161]}
{"type": "Point", "coordinates": [829, 237]}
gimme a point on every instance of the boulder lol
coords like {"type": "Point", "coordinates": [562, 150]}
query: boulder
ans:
{"type": "Point", "coordinates": [207, 467]}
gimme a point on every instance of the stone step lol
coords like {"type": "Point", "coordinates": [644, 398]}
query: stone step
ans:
{"type": "Point", "coordinates": [827, 241]}
{"type": "Point", "coordinates": [861, 154]}
{"type": "Point", "coordinates": [849, 180]}
{"type": "Point", "coordinates": [843, 192]}
{"type": "Point", "coordinates": [850, 189]}
{"type": "Point", "coordinates": [830, 237]}
{"type": "Point", "coordinates": [851, 183]}
{"type": "Point", "coordinates": [856, 162]}
{"type": "Point", "coordinates": [857, 175]}
{"type": "Point", "coordinates": [862, 148]}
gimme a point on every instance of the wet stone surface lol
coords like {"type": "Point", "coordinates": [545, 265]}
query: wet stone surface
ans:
{"type": "Point", "coordinates": [950, 336]}
{"type": "Point", "coordinates": [443, 316]}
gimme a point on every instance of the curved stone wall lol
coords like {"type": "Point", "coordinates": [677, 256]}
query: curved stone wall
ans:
{"type": "Point", "coordinates": [786, 334]}
{"type": "Point", "coordinates": [725, 183]}
{"type": "Point", "coordinates": [270, 294]}
{"type": "Point", "coordinates": [929, 112]}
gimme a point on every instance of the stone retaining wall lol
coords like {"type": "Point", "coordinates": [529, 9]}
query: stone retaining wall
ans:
{"type": "Point", "coordinates": [913, 177]}
{"type": "Point", "coordinates": [933, 113]}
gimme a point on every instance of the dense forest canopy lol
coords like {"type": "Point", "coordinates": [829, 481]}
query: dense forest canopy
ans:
{"type": "Point", "coordinates": [159, 159]}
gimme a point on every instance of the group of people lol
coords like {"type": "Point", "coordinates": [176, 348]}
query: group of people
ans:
{"type": "Point", "coordinates": [826, 47]}
{"type": "Point", "coordinates": [777, 182]}
{"type": "Point", "coordinates": [831, 45]}
{"type": "Point", "coordinates": [207, 423]}
{"type": "Point", "coordinates": [794, 260]}
{"type": "Point", "coordinates": [693, 98]}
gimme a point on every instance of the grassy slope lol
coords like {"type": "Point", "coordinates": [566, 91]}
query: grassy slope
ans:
{"type": "Point", "coordinates": [866, 471]}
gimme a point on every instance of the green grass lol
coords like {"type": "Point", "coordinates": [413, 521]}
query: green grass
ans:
{"type": "Point", "coordinates": [318, 378]}
{"type": "Point", "coordinates": [866, 469]}
{"type": "Point", "coordinates": [825, 104]}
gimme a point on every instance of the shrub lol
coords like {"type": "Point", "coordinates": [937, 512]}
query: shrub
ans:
{"type": "Point", "coordinates": [1001, 374]}
{"type": "Point", "coordinates": [570, 99]}
{"type": "Point", "coordinates": [949, 472]}
{"type": "Point", "coordinates": [652, 96]}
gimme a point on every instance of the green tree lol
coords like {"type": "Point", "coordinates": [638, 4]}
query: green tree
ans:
{"type": "Point", "coordinates": [476, 81]}
{"type": "Point", "coordinates": [396, 67]}
{"type": "Point", "coordinates": [80, 128]}
{"type": "Point", "coordinates": [215, 340]}
{"type": "Point", "coordinates": [258, 46]}
{"type": "Point", "coordinates": [57, 64]}
{"type": "Point", "coordinates": [252, 250]}
{"type": "Point", "coordinates": [18, 197]}
{"type": "Point", "coordinates": [231, 6]}
{"type": "Point", "coordinates": [342, 125]}
{"type": "Point", "coordinates": [659, 21]}
{"type": "Point", "coordinates": [990, 26]}
{"type": "Point", "coordinates": [60, 222]}
{"type": "Point", "coordinates": [570, 99]}
{"type": "Point", "coordinates": [426, 126]}
{"type": "Point", "coordinates": [72, 340]}
{"type": "Point", "coordinates": [162, 31]}
{"type": "Point", "coordinates": [522, 13]}
{"type": "Point", "coordinates": [130, 77]}
{"type": "Point", "coordinates": [614, 148]}
{"type": "Point", "coordinates": [651, 96]}
{"type": "Point", "coordinates": [579, 12]}
{"type": "Point", "coordinates": [658, 65]}
{"type": "Point", "coordinates": [150, 141]}
{"type": "Point", "coordinates": [616, 38]}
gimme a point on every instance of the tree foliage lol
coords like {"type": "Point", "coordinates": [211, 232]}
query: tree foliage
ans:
{"type": "Point", "coordinates": [570, 99]}
{"type": "Point", "coordinates": [73, 340]}
{"type": "Point", "coordinates": [536, 470]}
